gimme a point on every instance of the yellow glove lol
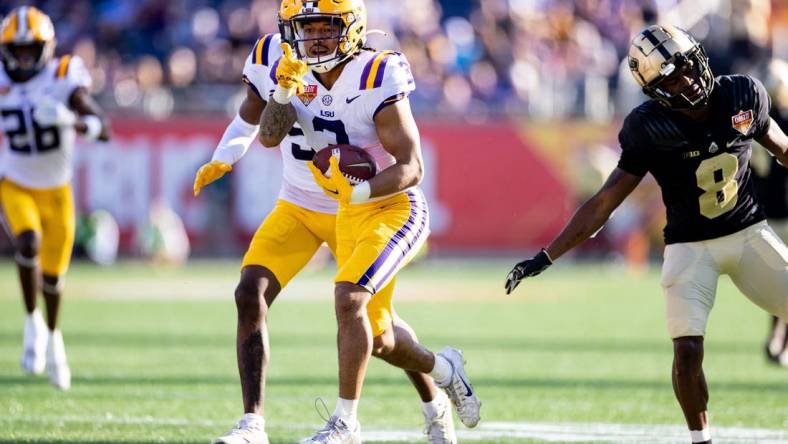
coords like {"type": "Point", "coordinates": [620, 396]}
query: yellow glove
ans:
{"type": "Point", "coordinates": [290, 71]}
{"type": "Point", "coordinates": [337, 186]}
{"type": "Point", "coordinates": [208, 173]}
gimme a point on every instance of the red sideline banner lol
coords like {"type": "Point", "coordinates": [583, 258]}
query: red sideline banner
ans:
{"type": "Point", "coordinates": [487, 190]}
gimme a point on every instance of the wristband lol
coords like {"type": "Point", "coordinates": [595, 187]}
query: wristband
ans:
{"type": "Point", "coordinates": [93, 126]}
{"type": "Point", "coordinates": [282, 95]}
{"type": "Point", "coordinates": [361, 192]}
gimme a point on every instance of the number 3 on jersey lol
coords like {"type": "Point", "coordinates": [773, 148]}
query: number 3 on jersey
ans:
{"type": "Point", "coordinates": [717, 178]}
{"type": "Point", "coordinates": [332, 126]}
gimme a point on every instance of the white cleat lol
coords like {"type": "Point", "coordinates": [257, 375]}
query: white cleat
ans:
{"type": "Point", "coordinates": [35, 344]}
{"type": "Point", "coordinates": [440, 428]}
{"type": "Point", "coordinates": [459, 388]}
{"type": "Point", "coordinates": [57, 365]}
{"type": "Point", "coordinates": [249, 430]}
{"type": "Point", "coordinates": [783, 358]}
{"type": "Point", "coordinates": [336, 431]}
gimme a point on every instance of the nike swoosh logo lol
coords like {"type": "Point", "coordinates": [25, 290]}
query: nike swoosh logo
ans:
{"type": "Point", "coordinates": [332, 191]}
{"type": "Point", "coordinates": [363, 164]}
{"type": "Point", "coordinates": [350, 99]}
{"type": "Point", "coordinates": [731, 143]}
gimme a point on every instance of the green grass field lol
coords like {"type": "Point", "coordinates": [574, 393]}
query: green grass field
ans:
{"type": "Point", "coordinates": [152, 356]}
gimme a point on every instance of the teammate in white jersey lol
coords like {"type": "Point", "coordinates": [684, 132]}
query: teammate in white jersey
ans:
{"type": "Point", "coordinates": [303, 218]}
{"type": "Point", "coordinates": [44, 103]}
{"type": "Point", "coordinates": [339, 92]}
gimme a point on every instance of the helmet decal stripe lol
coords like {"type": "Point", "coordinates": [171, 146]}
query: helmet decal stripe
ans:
{"type": "Point", "coordinates": [34, 23]}
{"type": "Point", "coordinates": [9, 33]}
{"type": "Point", "coordinates": [657, 44]}
{"type": "Point", "coordinates": [22, 23]}
{"type": "Point", "coordinates": [266, 45]}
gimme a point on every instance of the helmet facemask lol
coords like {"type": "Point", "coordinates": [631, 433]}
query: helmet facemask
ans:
{"type": "Point", "coordinates": [693, 64]}
{"type": "Point", "coordinates": [307, 48]}
{"type": "Point", "coordinates": [25, 60]}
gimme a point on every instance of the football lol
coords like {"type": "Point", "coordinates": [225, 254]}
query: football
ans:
{"type": "Point", "coordinates": [355, 163]}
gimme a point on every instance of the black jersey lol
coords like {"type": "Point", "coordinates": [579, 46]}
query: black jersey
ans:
{"type": "Point", "coordinates": [702, 168]}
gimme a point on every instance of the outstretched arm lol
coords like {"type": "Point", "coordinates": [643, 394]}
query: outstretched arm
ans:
{"type": "Point", "coordinates": [776, 142]}
{"type": "Point", "coordinates": [586, 221]}
{"type": "Point", "coordinates": [237, 138]}
{"type": "Point", "coordinates": [593, 214]}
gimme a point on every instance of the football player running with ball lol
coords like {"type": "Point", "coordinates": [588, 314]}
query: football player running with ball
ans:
{"type": "Point", "coordinates": [44, 104]}
{"type": "Point", "coordinates": [339, 92]}
{"type": "Point", "coordinates": [695, 138]}
{"type": "Point", "coordinates": [303, 219]}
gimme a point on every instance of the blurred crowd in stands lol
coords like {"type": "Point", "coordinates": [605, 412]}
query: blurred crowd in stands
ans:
{"type": "Point", "coordinates": [546, 59]}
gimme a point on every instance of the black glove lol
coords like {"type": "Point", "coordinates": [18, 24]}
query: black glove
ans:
{"type": "Point", "coordinates": [527, 268]}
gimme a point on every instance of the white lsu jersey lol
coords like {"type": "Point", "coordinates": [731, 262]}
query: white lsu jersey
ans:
{"type": "Point", "coordinates": [298, 185]}
{"type": "Point", "coordinates": [345, 114]}
{"type": "Point", "coordinates": [35, 156]}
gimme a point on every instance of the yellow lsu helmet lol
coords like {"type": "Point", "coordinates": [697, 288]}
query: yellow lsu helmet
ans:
{"type": "Point", "coordinates": [27, 42]}
{"type": "Point", "coordinates": [661, 51]}
{"type": "Point", "coordinates": [349, 16]}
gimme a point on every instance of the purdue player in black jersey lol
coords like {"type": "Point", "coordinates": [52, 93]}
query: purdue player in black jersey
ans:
{"type": "Point", "coordinates": [694, 137]}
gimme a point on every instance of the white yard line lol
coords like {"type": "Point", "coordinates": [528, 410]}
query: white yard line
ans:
{"type": "Point", "coordinates": [541, 431]}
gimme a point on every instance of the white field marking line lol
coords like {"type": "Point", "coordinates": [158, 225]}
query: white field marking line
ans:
{"type": "Point", "coordinates": [542, 431]}
{"type": "Point", "coordinates": [121, 420]}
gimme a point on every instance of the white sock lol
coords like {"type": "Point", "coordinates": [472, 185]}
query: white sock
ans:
{"type": "Point", "coordinates": [346, 410]}
{"type": "Point", "coordinates": [35, 315]}
{"type": "Point", "coordinates": [700, 435]}
{"type": "Point", "coordinates": [442, 370]}
{"type": "Point", "coordinates": [432, 408]}
{"type": "Point", "coordinates": [254, 417]}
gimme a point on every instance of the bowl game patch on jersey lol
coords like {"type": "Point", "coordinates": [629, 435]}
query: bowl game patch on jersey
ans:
{"type": "Point", "coordinates": [742, 122]}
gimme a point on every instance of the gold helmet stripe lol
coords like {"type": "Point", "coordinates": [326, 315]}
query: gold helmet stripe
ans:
{"type": "Point", "coordinates": [10, 29]}
{"type": "Point", "coordinates": [34, 20]}
{"type": "Point", "coordinates": [62, 67]}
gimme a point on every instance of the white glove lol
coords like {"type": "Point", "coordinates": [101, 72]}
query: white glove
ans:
{"type": "Point", "coordinates": [50, 112]}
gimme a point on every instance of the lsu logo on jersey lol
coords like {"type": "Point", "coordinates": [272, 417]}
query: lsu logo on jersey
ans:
{"type": "Point", "coordinates": [742, 121]}
{"type": "Point", "coordinates": [310, 92]}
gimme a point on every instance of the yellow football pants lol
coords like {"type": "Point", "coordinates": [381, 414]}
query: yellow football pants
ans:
{"type": "Point", "coordinates": [374, 241]}
{"type": "Point", "coordinates": [289, 237]}
{"type": "Point", "coordinates": [49, 212]}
